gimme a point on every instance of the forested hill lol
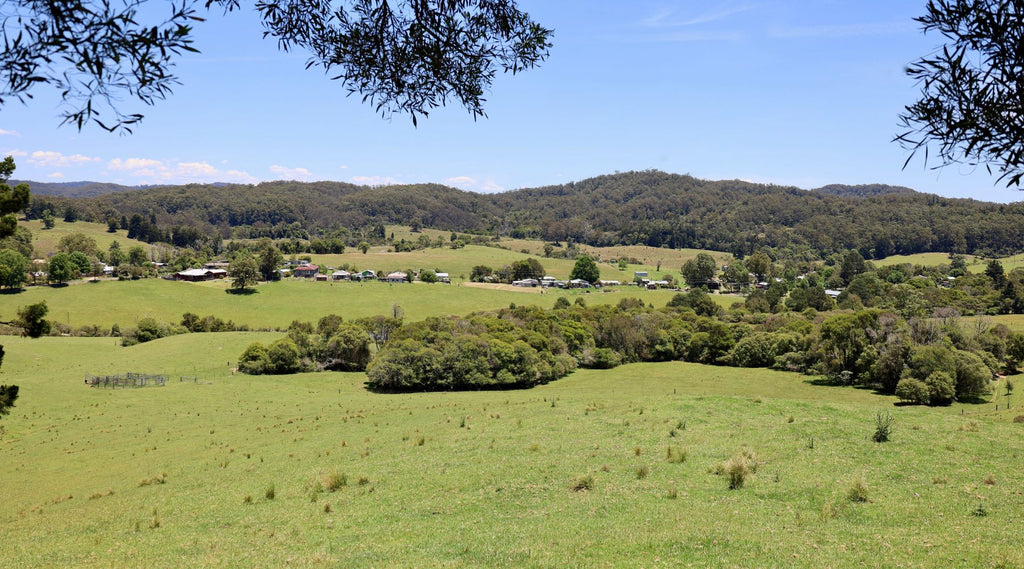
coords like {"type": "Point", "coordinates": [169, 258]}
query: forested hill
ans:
{"type": "Point", "coordinates": [650, 207]}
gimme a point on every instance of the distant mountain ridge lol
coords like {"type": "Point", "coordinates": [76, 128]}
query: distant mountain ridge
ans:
{"type": "Point", "coordinates": [648, 207]}
{"type": "Point", "coordinates": [863, 190]}
{"type": "Point", "coordinates": [81, 189]}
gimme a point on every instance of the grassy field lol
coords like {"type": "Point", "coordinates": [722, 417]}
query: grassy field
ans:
{"type": "Point", "coordinates": [107, 302]}
{"type": "Point", "coordinates": [312, 470]}
{"type": "Point", "coordinates": [45, 241]}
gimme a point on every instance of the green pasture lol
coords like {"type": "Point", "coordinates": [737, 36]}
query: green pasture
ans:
{"type": "Point", "coordinates": [459, 263]}
{"type": "Point", "coordinates": [312, 470]}
{"type": "Point", "coordinates": [106, 302]}
{"type": "Point", "coordinates": [45, 241]}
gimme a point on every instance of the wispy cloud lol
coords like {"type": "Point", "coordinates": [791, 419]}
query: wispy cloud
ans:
{"type": "Point", "coordinates": [487, 186]}
{"type": "Point", "coordinates": [14, 152]}
{"type": "Point", "coordinates": [150, 171]}
{"type": "Point", "coordinates": [669, 19]}
{"type": "Point", "coordinates": [55, 176]}
{"type": "Point", "coordinates": [374, 180]}
{"type": "Point", "coordinates": [51, 159]}
{"type": "Point", "coordinates": [283, 172]}
{"type": "Point", "coordinates": [5, 132]}
{"type": "Point", "coordinates": [843, 30]}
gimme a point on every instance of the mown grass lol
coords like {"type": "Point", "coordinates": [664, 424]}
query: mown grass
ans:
{"type": "Point", "coordinates": [484, 478]}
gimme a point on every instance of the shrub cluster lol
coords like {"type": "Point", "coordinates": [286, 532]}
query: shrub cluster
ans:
{"type": "Point", "coordinates": [331, 345]}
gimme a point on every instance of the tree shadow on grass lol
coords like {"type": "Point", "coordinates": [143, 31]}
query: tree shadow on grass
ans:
{"type": "Point", "coordinates": [241, 291]}
{"type": "Point", "coordinates": [12, 291]}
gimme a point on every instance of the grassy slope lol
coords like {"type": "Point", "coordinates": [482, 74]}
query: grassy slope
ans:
{"type": "Point", "coordinates": [45, 240]}
{"type": "Point", "coordinates": [277, 304]}
{"type": "Point", "coordinates": [489, 486]}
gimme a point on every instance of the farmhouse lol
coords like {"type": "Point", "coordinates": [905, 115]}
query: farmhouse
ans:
{"type": "Point", "coordinates": [526, 282]}
{"type": "Point", "coordinates": [443, 278]}
{"type": "Point", "coordinates": [341, 275]}
{"type": "Point", "coordinates": [306, 271]}
{"type": "Point", "coordinates": [396, 277]}
{"type": "Point", "coordinates": [194, 275]}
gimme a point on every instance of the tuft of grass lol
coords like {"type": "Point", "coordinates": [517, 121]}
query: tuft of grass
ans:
{"type": "Point", "coordinates": [642, 471]}
{"type": "Point", "coordinates": [675, 454]}
{"type": "Point", "coordinates": [971, 426]}
{"type": "Point", "coordinates": [334, 481]}
{"type": "Point", "coordinates": [672, 493]}
{"type": "Point", "coordinates": [270, 493]}
{"type": "Point", "coordinates": [582, 483]}
{"type": "Point", "coordinates": [989, 480]}
{"type": "Point", "coordinates": [247, 499]}
{"type": "Point", "coordinates": [161, 479]}
{"type": "Point", "coordinates": [981, 511]}
{"type": "Point", "coordinates": [858, 490]}
{"type": "Point", "coordinates": [1018, 419]}
{"type": "Point", "coordinates": [739, 468]}
{"type": "Point", "coordinates": [420, 441]}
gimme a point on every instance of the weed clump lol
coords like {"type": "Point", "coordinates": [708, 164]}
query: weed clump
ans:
{"type": "Point", "coordinates": [1018, 419]}
{"type": "Point", "coordinates": [642, 471]}
{"type": "Point", "coordinates": [582, 483]}
{"type": "Point", "coordinates": [270, 493]}
{"type": "Point", "coordinates": [969, 427]}
{"type": "Point", "coordinates": [883, 426]}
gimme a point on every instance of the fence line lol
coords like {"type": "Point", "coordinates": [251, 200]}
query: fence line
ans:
{"type": "Point", "coordinates": [130, 379]}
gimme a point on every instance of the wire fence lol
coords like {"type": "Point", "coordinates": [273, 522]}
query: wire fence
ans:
{"type": "Point", "coordinates": [128, 380]}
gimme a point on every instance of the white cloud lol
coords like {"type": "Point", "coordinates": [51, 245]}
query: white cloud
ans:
{"type": "Point", "coordinates": [301, 174]}
{"type": "Point", "coordinates": [5, 132]}
{"type": "Point", "coordinates": [16, 153]}
{"type": "Point", "coordinates": [374, 180]}
{"type": "Point", "coordinates": [472, 184]}
{"type": "Point", "coordinates": [51, 159]}
{"type": "Point", "coordinates": [55, 176]}
{"type": "Point", "coordinates": [150, 171]}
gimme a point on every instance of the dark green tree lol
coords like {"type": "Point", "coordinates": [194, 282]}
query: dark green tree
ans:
{"type": "Point", "coordinates": [32, 320]}
{"type": "Point", "coordinates": [8, 395]}
{"type": "Point", "coordinates": [13, 266]}
{"type": "Point", "coordinates": [586, 269]}
{"type": "Point", "coordinates": [12, 200]}
{"type": "Point", "coordinates": [404, 56]}
{"type": "Point", "coordinates": [270, 260]}
{"type": "Point", "coordinates": [61, 268]}
{"type": "Point", "coordinates": [527, 269]}
{"type": "Point", "coordinates": [244, 271]}
{"type": "Point", "coordinates": [700, 270]}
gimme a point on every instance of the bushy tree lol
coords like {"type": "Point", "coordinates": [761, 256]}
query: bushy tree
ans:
{"type": "Point", "coordinates": [32, 320]}
{"type": "Point", "coordinates": [699, 270]}
{"type": "Point", "coordinates": [244, 271]}
{"type": "Point", "coordinates": [527, 269]}
{"type": "Point", "coordinates": [585, 269]}
{"type": "Point", "coordinates": [61, 268]}
{"type": "Point", "coordinates": [13, 266]}
{"type": "Point", "coordinates": [347, 348]}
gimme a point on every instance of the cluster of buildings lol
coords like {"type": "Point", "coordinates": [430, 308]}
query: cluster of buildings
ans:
{"type": "Point", "coordinates": [304, 270]}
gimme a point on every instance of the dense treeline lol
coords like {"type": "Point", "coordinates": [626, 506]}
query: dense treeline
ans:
{"type": "Point", "coordinates": [651, 208]}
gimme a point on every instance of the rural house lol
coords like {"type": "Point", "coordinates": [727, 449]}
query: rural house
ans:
{"type": "Point", "coordinates": [306, 271]}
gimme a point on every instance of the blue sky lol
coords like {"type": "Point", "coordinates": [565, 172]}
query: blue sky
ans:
{"type": "Point", "coordinates": [801, 93]}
